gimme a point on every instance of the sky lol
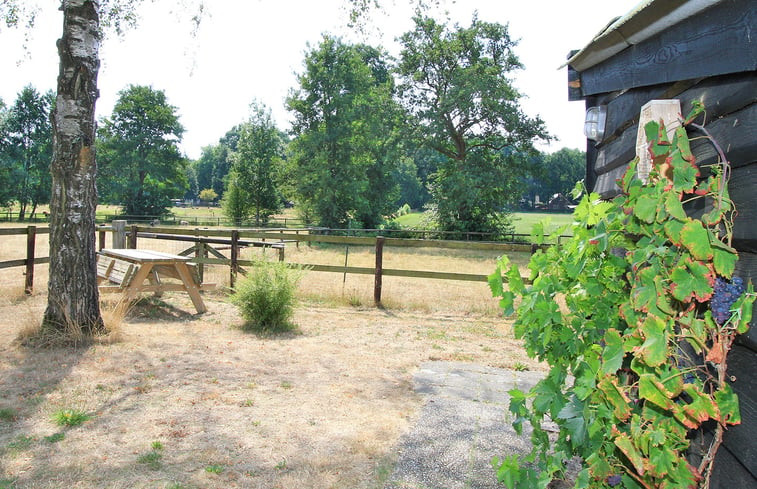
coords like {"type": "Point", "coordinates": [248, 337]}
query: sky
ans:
{"type": "Point", "coordinates": [249, 50]}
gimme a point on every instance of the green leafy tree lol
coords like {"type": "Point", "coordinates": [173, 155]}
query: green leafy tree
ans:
{"type": "Point", "coordinates": [141, 164]}
{"type": "Point", "coordinates": [257, 161]}
{"type": "Point", "coordinates": [27, 148]}
{"type": "Point", "coordinates": [236, 202]}
{"type": "Point", "coordinates": [457, 85]}
{"type": "Point", "coordinates": [344, 128]}
{"type": "Point", "coordinates": [214, 163]}
{"type": "Point", "coordinates": [208, 195]}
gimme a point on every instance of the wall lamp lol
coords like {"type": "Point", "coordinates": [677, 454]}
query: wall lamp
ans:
{"type": "Point", "coordinates": [594, 124]}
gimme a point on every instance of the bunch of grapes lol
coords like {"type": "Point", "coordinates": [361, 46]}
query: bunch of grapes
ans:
{"type": "Point", "coordinates": [725, 294]}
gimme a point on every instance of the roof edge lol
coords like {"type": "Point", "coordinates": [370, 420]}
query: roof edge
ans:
{"type": "Point", "coordinates": [645, 20]}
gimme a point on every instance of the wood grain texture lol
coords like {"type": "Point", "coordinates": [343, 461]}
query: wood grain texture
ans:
{"type": "Point", "coordinates": [718, 41]}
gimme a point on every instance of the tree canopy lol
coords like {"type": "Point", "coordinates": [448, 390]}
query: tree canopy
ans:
{"type": "Point", "coordinates": [140, 161]}
{"type": "Point", "coordinates": [456, 83]}
{"type": "Point", "coordinates": [344, 125]}
{"type": "Point", "coordinates": [26, 150]}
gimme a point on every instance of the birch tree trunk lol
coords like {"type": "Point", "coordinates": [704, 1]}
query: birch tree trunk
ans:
{"type": "Point", "coordinates": [73, 297]}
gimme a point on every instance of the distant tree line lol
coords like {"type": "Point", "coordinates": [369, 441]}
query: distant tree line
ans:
{"type": "Point", "coordinates": [440, 128]}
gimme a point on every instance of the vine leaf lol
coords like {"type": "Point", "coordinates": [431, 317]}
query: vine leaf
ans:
{"type": "Point", "coordinates": [573, 416]}
{"type": "Point", "coordinates": [697, 240]}
{"type": "Point", "coordinates": [612, 357]}
{"type": "Point", "coordinates": [728, 402]}
{"type": "Point", "coordinates": [673, 206]}
{"type": "Point", "coordinates": [691, 279]}
{"type": "Point", "coordinates": [654, 350]}
{"type": "Point", "coordinates": [615, 396]}
{"type": "Point", "coordinates": [651, 388]}
{"type": "Point", "coordinates": [624, 443]}
{"type": "Point", "coordinates": [723, 258]}
{"type": "Point", "coordinates": [645, 209]}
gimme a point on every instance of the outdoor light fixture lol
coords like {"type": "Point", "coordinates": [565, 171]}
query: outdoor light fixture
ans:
{"type": "Point", "coordinates": [594, 125]}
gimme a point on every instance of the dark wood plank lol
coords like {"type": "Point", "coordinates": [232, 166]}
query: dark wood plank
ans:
{"type": "Point", "coordinates": [743, 190]}
{"type": "Point", "coordinates": [721, 95]}
{"type": "Point", "coordinates": [718, 41]}
{"type": "Point", "coordinates": [729, 473]}
{"type": "Point", "coordinates": [618, 152]}
{"type": "Point", "coordinates": [746, 268]}
{"type": "Point", "coordinates": [742, 364]}
{"type": "Point", "coordinates": [735, 133]}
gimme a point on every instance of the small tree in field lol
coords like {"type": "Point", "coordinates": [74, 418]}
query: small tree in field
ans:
{"type": "Point", "coordinates": [208, 195]}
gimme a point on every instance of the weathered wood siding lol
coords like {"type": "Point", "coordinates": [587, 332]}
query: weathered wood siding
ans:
{"type": "Point", "coordinates": [712, 58]}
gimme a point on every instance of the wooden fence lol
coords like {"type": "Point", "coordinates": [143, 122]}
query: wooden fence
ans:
{"type": "Point", "coordinates": [205, 253]}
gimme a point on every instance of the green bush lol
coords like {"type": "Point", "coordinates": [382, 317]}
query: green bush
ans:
{"type": "Point", "coordinates": [266, 297]}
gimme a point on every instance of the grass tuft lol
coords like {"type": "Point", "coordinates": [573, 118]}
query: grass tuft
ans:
{"type": "Point", "coordinates": [70, 417]}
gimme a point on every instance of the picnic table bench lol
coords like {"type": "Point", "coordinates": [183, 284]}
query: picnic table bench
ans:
{"type": "Point", "coordinates": [132, 271]}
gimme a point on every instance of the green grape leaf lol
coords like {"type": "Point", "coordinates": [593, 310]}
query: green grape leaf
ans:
{"type": "Point", "coordinates": [691, 279]}
{"type": "Point", "coordinates": [697, 240]}
{"type": "Point", "coordinates": [682, 142]}
{"type": "Point", "coordinates": [626, 445]}
{"type": "Point", "coordinates": [662, 460]}
{"type": "Point", "coordinates": [654, 350]}
{"type": "Point", "coordinates": [728, 402]}
{"type": "Point", "coordinates": [573, 418]}
{"type": "Point", "coordinates": [673, 231]}
{"type": "Point", "coordinates": [612, 356]}
{"type": "Point", "coordinates": [673, 206]}
{"type": "Point", "coordinates": [515, 281]}
{"type": "Point", "coordinates": [723, 258]}
{"type": "Point", "coordinates": [651, 388]}
{"type": "Point", "coordinates": [616, 397]}
{"type": "Point", "coordinates": [645, 209]}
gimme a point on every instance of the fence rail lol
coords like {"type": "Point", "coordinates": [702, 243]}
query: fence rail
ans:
{"type": "Point", "coordinates": [204, 253]}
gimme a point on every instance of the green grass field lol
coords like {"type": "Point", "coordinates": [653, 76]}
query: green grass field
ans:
{"type": "Point", "coordinates": [522, 221]}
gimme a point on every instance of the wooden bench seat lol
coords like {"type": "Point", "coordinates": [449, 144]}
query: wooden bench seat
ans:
{"type": "Point", "coordinates": [117, 273]}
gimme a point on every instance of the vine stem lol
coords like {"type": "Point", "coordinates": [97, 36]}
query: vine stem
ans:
{"type": "Point", "coordinates": [723, 161]}
{"type": "Point", "coordinates": [705, 466]}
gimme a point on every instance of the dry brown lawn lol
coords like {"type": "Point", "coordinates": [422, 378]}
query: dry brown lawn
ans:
{"type": "Point", "coordinates": [321, 408]}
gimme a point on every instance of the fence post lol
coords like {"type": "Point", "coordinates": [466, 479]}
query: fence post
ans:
{"type": "Point", "coordinates": [119, 234]}
{"type": "Point", "coordinates": [234, 257]}
{"type": "Point", "coordinates": [133, 237]}
{"type": "Point", "coordinates": [281, 253]}
{"type": "Point", "coordinates": [200, 253]}
{"type": "Point", "coordinates": [379, 264]}
{"type": "Point", "coordinates": [31, 234]}
{"type": "Point", "coordinates": [101, 238]}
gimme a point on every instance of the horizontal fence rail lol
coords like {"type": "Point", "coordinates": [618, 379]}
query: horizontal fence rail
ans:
{"type": "Point", "coordinates": [207, 245]}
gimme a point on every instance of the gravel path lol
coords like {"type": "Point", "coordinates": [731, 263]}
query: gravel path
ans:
{"type": "Point", "coordinates": [463, 424]}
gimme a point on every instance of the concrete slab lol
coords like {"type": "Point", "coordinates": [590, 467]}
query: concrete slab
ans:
{"type": "Point", "coordinates": [462, 426]}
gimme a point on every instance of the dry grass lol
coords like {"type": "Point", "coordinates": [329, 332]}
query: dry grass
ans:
{"type": "Point", "coordinates": [323, 408]}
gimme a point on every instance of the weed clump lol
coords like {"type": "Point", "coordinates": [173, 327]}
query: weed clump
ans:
{"type": "Point", "coordinates": [266, 297]}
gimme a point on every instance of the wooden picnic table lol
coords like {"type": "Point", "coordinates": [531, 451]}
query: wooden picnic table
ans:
{"type": "Point", "coordinates": [133, 271]}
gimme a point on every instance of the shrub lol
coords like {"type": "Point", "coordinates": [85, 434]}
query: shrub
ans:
{"type": "Point", "coordinates": [266, 297]}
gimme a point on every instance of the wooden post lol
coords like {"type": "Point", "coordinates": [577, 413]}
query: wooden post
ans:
{"type": "Point", "coordinates": [101, 238]}
{"type": "Point", "coordinates": [281, 253]}
{"type": "Point", "coordinates": [133, 237]}
{"type": "Point", "coordinates": [119, 234]}
{"type": "Point", "coordinates": [234, 257]}
{"type": "Point", "coordinates": [31, 234]}
{"type": "Point", "coordinates": [379, 263]}
{"type": "Point", "coordinates": [200, 253]}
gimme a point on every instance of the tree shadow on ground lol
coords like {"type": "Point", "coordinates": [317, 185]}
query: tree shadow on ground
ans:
{"type": "Point", "coordinates": [149, 309]}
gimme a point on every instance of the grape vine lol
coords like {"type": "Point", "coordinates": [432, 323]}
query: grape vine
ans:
{"type": "Point", "coordinates": [635, 315]}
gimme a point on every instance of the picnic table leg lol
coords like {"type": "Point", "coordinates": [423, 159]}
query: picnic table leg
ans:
{"type": "Point", "coordinates": [136, 283]}
{"type": "Point", "coordinates": [191, 286]}
{"type": "Point", "coordinates": [154, 279]}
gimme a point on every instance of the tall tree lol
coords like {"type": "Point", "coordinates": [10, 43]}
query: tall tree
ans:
{"type": "Point", "coordinates": [343, 114]}
{"type": "Point", "coordinates": [139, 152]}
{"type": "Point", "coordinates": [456, 83]}
{"type": "Point", "coordinates": [73, 297]}
{"type": "Point", "coordinates": [214, 163]}
{"type": "Point", "coordinates": [6, 164]}
{"type": "Point", "coordinates": [256, 163]}
{"type": "Point", "coordinates": [27, 148]}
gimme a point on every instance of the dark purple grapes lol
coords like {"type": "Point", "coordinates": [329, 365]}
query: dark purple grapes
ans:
{"type": "Point", "coordinates": [724, 295]}
{"type": "Point", "coordinates": [614, 480]}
